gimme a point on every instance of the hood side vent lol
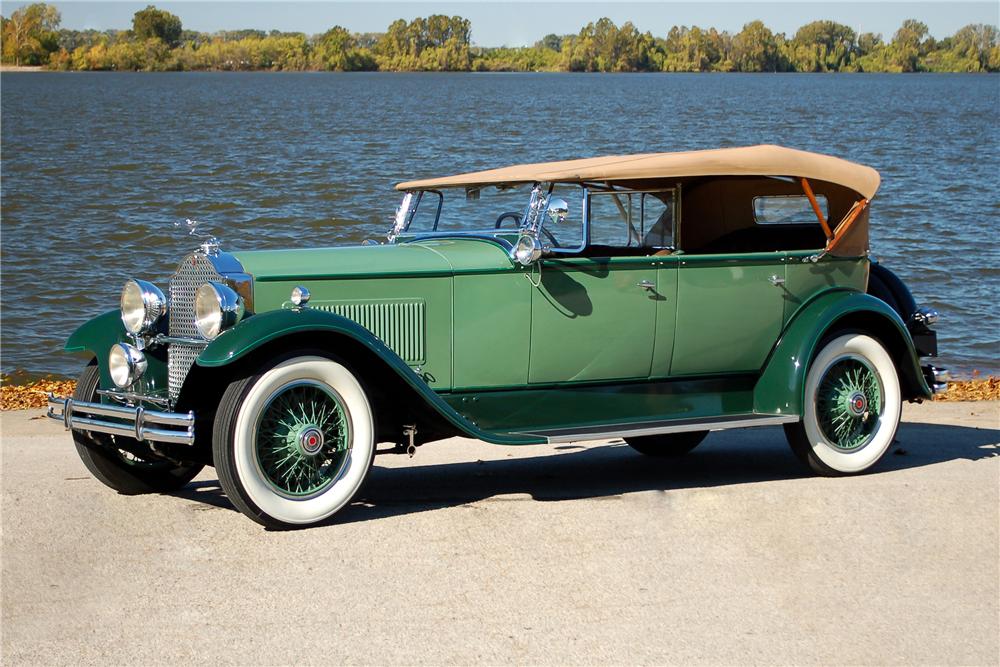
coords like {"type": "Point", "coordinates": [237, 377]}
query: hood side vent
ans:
{"type": "Point", "coordinates": [399, 323]}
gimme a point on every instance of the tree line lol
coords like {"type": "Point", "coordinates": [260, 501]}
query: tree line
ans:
{"type": "Point", "coordinates": [157, 41]}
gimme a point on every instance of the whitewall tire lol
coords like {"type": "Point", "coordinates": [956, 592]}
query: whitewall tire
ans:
{"type": "Point", "coordinates": [294, 444]}
{"type": "Point", "coordinates": [851, 408]}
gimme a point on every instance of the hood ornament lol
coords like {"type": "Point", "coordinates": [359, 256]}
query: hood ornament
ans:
{"type": "Point", "coordinates": [210, 246]}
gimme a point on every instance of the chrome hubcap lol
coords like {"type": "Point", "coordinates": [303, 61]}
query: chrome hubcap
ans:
{"type": "Point", "coordinates": [310, 440]}
{"type": "Point", "coordinates": [857, 404]}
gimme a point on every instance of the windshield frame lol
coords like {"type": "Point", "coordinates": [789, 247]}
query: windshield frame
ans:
{"type": "Point", "coordinates": [542, 189]}
{"type": "Point", "coordinates": [403, 231]}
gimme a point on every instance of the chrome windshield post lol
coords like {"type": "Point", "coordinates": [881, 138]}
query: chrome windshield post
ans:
{"type": "Point", "coordinates": [528, 248]}
{"type": "Point", "coordinates": [404, 212]}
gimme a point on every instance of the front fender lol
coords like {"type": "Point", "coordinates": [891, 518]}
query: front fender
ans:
{"type": "Point", "coordinates": [781, 387]}
{"type": "Point", "coordinates": [255, 331]}
{"type": "Point", "coordinates": [96, 336]}
{"type": "Point", "coordinates": [261, 329]}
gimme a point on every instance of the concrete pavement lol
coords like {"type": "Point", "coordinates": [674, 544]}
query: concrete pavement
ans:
{"type": "Point", "coordinates": [567, 554]}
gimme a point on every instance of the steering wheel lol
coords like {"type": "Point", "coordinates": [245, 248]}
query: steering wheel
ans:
{"type": "Point", "coordinates": [513, 215]}
{"type": "Point", "coordinates": [516, 217]}
{"type": "Point", "coordinates": [550, 236]}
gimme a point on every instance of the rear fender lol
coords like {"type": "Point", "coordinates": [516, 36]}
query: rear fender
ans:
{"type": "Point", "coordinates": [781, 387]}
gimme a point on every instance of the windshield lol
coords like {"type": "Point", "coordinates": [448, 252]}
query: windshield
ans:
{"type": "Point", "coordinates": [492, 211]}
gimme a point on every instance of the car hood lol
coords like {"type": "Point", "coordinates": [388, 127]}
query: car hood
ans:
{"type": "Point", "coordinates": [434, 257]}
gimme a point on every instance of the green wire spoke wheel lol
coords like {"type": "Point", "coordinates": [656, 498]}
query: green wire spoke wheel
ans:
{"type": "Point", "coordinates": [849, 403]}
{"type": "Point", "coordinates": [293, 443]}
{"type": "Point", "coordinates": [303, 439]}
{"type": "Point", "coordinates": [851, 409]}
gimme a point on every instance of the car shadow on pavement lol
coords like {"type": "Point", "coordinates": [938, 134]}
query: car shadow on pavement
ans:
{"type": "Point", "coordinates": [613, 469]}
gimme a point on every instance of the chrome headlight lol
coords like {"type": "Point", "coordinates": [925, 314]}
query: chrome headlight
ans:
{"type": "Point", "coordinates": [142, 306]}
{"type": "Point", "coordinates": [527, 250]}
{"type": "Point", "coordinates": [126, 364]}
{"type": "Point", "coordinates": [216, 308]}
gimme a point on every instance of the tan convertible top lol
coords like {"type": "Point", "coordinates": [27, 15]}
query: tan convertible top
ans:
{"type": "Point", "coordinates": [763, 160]}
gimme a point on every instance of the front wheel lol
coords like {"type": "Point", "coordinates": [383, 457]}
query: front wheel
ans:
{"type": "Point", "coordinates": [109, 458]}
{"type": "Point", "coordinates": [852, 407]}
{"type": "Point", "coordinates": [294, 444]}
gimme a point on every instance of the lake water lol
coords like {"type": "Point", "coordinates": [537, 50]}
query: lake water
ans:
{"type": "Point", "coordinates": [97, 167]}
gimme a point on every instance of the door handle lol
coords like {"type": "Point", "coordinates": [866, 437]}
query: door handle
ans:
{"type": "Point", "coordinates": [777, 281]}
{"type": "Point", "coordinates": [646, 285]}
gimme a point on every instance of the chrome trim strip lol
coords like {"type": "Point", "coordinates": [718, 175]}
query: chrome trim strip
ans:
{"type": "Point", "coordinates": [163, 339]}
{"type": "Point", "coordinates": [134, 422]}
{"type": "Point", "coordinates": [639, 430]}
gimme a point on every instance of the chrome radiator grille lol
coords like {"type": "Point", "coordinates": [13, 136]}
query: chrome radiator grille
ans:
{"type": "Point", "coordinates": [193, 272]}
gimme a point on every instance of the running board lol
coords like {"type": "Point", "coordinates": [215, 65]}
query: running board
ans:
{"type": "Point", "coordinates": [636, 430]}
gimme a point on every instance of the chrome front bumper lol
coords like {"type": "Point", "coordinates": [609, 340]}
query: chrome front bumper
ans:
{"type": "Point", "coordinates": [130, 422]}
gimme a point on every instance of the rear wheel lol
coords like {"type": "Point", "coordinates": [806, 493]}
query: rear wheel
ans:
{"type": "Point", "coordinates": [668, 445]}
{"type": "Point", "coordinates": [294, 444]}
{"type": "Point", "coordinates": [123, 471]}
{"type": "Point", "coordinates": [852, 407]}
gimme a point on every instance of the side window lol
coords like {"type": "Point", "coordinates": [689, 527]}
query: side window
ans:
{"type": "Point", "coordinates": [632, 219]}
{"type": "Point", "coordinates": [613, 220]}
{"type": "Point", "coordinates": [787, 209]}
{"type": "Point", "coordinates": [657, 219]}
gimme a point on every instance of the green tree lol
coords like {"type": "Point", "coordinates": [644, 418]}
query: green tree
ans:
{"type": "Point", "coordinates": [908, 45]}
{"type": "Point", "coordinates": [822, 46]}
{"type": "Point", "coordinates": [551, 41]}
{"type": "Point", "coordinates": [604, 47]}
{"type": "Point", "coordinates": [755, 49]}
{"type": "Point", "coordinates": [692, 50]}
{"type": "Point", "coordinates": [158, 42]}
{"type": "Point", "coordinates": [29, 35]}
{"type": "Point", "coordinates": [869, 42]}
{"type": "Point", "coordinates": [436, 43]}
{"type": "Point", "coordinates": [151, 23]}
{"type": "Point", "coordinates": [979, 45]}
{"type": "Point", "coordinates": [337, 50]}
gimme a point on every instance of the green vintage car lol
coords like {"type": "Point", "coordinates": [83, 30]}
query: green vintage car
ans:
{"type": "Point", "coordinates": [652, 297]}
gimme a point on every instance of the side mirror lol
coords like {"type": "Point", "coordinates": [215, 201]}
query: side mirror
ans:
{"type": "Point", "coordinates": [557, 210]}
{"type": "Point", "coordinates": [527, 250]}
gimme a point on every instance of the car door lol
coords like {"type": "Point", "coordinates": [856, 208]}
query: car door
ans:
{"type": "Point", "coordinates": [592, 319]}
{"type": "Point", "coordinates": [729, 312]}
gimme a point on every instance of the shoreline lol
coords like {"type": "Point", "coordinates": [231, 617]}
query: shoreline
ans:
{"type": "Point", "coordinates": [14, 69]}
{"type": "Point", "coordinates": [32, 394]}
